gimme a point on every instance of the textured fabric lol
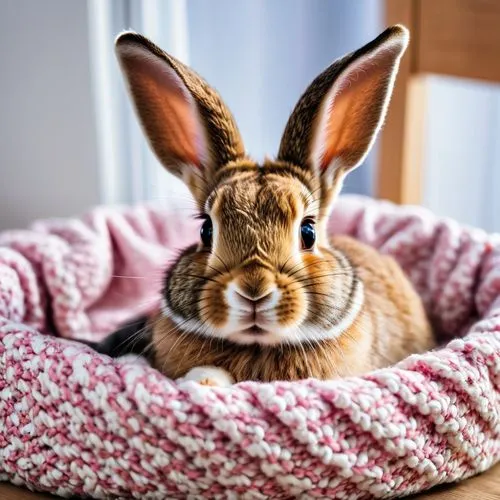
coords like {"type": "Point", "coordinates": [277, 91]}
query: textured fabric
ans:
{"type": "Point", "coordinates": [75, 422]}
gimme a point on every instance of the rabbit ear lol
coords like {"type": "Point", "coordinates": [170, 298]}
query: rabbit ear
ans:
{"type": "Point", "coordinates": [335, 122]}
{"type": "Point", "coordinates": [188, 126]}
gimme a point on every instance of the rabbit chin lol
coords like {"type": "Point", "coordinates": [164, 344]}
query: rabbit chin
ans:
{"type": "Point", "coordinates": [256, 335]}
{"type": "Point", "coordinates": [293, 335]}
{"type": "Point", "coordinates": [275, 336]}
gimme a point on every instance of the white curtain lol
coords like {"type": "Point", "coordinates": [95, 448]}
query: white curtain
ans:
{"type": "Point", "coordinates": [260, 55]}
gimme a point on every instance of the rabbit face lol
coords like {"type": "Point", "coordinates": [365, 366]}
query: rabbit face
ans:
{"type": "Point", "coordinates": [262, 271]}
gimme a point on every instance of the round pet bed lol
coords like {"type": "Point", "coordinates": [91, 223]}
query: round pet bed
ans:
{"type": "Point", "coordinates": [73, 422]}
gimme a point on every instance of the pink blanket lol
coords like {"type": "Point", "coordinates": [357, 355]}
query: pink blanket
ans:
{"type": "Point", "coordinates": [75, 422]}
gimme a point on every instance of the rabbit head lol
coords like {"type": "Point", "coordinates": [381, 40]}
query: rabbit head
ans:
{"type": "Point", "coordinates": [263, 270]}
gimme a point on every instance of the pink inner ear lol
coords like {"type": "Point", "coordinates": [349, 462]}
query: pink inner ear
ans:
{"type": "Point", "coordinates": [354, 110]}
{"type": "Point", "coordinates": [167, 110]}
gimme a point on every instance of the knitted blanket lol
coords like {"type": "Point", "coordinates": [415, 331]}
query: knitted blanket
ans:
{"type": "Point", "coordinates": [75, 422]}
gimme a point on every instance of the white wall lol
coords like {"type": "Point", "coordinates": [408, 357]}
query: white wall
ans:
{"type": "Point", "coordinates": [462, 153]}
{"type": "Point", "coordinates": [48, 152]}
{"type": "Point", "coordinates": [49, 156]}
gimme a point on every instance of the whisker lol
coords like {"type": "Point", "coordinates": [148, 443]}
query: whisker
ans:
{"type": "Point", "coordinates": [177, 328]}
{"type": "Point", "coordinates": [222, 262]}
{"type": "Point", "coordinates": [204, 186]}
{"type": "Point", "coordinates": [309, 373]}
{"type": "Point", "coordinates": [134, 337]}
{"type": "Point", "coordinates": [130, 277]}
{"type": "Point", "coordinates": [301, 286]}
{"type": "Point", "coordinates": [332, 306]}
{"type": "Point", "coordinates": [290, 274]}
{"type": "Point", "coordinates": [215, 269]}
{"type": "Point", "coordinates": [319, 345]}
{"type": "Point", "coordinates": [331, 364]}
{"type": "Point", "coordinates": [315, 263]}
{"type": "Point", "coordinates": [195, 255]}
{"type": "Point", "coordinates": [201, 333]}
{"type": "Point", "coordinates": [198, 277]}
{"type": "Point", "coordinates": [329, 275]}
{"type": "Point", "coordinates": [286, 262]}
{"type": "Point", "coordinates": [311, 194]}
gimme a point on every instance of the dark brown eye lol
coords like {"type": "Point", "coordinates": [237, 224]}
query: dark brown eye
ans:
{"type": "Point", "coordinates": [206, 232]}
{"type": "Point", "coordinates": [308, 234]}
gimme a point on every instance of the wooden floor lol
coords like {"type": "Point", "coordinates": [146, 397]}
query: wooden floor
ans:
{"type": "Point", "coordinates": [483, 487]}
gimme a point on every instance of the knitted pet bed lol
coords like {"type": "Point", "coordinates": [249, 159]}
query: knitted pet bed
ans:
{"type": "Point", "coordinates": [75, 422]}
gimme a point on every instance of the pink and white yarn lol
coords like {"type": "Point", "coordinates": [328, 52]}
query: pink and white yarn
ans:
{"type": "Point", "coordinates": [74, 422]}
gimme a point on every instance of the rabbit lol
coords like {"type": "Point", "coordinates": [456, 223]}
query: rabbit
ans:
{"type": "Point", "coordinates": [265, 295]}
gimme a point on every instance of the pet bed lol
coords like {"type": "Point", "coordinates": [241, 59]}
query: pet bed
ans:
{"type": "Point", "coordinates": [74, 422]}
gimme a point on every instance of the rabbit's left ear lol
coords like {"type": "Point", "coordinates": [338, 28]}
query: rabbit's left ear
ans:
{"type": "Point", "coordinates": [335, 122]}
{"type": "Point", "coordinates": [188, 126]}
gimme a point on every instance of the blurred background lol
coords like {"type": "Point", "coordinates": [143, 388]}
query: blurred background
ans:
{"type": "Point", "coordinates": [69, 138]}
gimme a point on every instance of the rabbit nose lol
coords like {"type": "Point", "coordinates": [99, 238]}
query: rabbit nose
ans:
{"type": "Point", "coordinates": [255, 288]}
{"type": "Point", "coordinates": [257, 301]}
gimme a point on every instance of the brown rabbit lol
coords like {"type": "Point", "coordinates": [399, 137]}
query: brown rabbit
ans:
{"type": "Point", "coordinates": [265, 295]}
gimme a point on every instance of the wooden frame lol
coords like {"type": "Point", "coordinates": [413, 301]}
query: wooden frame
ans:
{"type": "Point", "coordinates": [448, 37]}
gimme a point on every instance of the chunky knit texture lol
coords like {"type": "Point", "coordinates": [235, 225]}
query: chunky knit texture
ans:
{"type": "Point", "coordinates": [75, 422]}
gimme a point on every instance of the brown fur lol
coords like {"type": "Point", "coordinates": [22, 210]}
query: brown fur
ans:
{"type": "Point", "coordinates": [340, 308]}
{"type": "Point", "coordinates": [391, 325]}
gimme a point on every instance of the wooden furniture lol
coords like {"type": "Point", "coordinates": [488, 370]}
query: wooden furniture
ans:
{"type": "Point", "coordinates": [483, 487]}
{"type": "Point", "coordinates": [448, 37]}
{"type": "Point", "coordinates": [13, 493]}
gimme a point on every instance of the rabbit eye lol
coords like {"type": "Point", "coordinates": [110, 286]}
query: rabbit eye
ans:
{"type": "Point", "coordinates": [206, 232]}
{"type": "Point", "coordinates": [307, 233]}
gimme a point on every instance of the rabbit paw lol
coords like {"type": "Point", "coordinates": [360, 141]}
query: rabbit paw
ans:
{"type": "Point", "coordinates": [210, 376]}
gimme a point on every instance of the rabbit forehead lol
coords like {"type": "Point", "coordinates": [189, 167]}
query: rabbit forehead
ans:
{"type": "Point", "coordinates": [258, 212]}
{"type": "Point", "coordinates": [259, 198]}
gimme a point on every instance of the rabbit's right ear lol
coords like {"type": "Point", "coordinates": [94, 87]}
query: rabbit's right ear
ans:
{"type": "Point", "coordinates": [335, 122]}
{"type": "Point", "coordinates": [186, 122]}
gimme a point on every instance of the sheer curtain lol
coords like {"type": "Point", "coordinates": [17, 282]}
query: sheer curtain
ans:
{"type": "Point", "coordinates": [259, 54]}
